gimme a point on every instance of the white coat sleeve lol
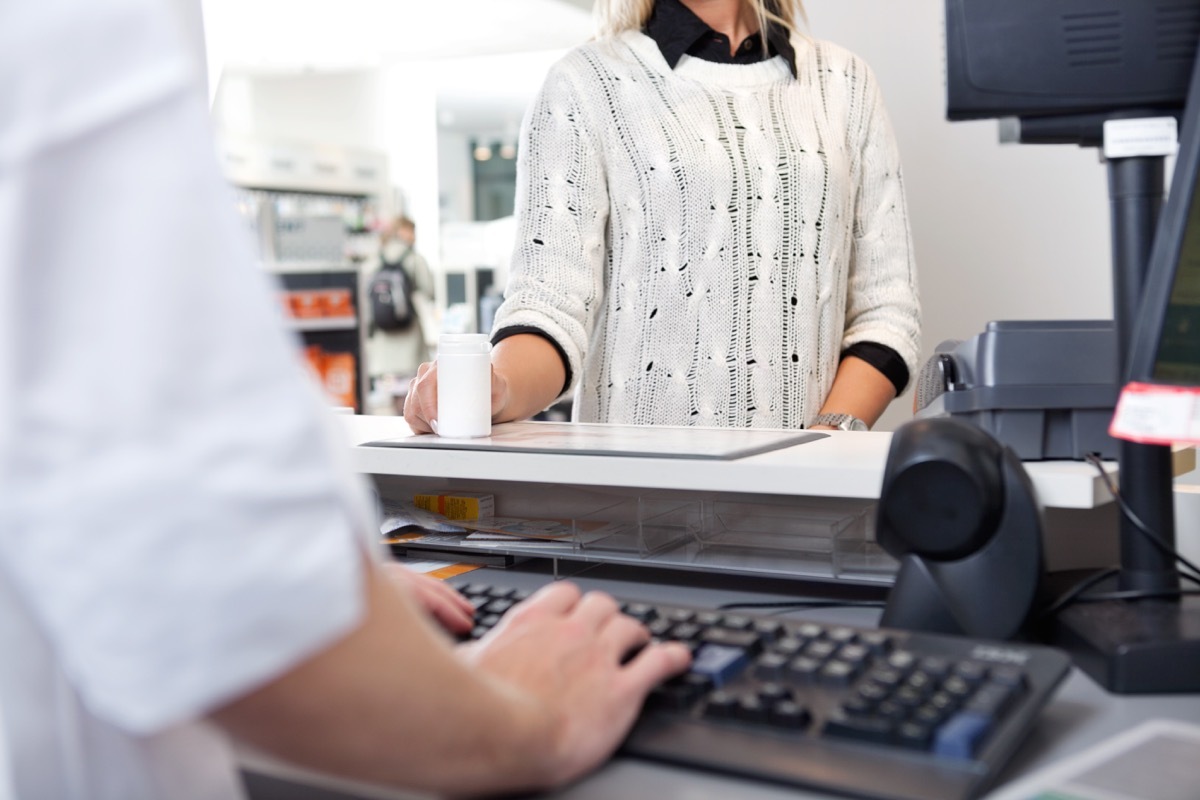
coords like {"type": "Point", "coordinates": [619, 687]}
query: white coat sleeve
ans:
{"type": "Point", "coordinates": [173, 513]}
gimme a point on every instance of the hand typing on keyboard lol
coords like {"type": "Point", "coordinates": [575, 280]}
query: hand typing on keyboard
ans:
{"type": "Point", "coordinates": [873, 713]}
{"type": "Point", "coordinates": [441, 600]}
{"type": "Point", "coordinates": [583, 683]}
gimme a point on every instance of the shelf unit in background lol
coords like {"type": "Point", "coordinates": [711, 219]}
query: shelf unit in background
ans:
{"type": "Point", "coordinates": [310, 209]}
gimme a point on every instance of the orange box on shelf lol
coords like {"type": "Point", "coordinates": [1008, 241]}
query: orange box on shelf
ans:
{"type": "Point", "coordinates": [306, 303]}
{"type": "Point", "coordinates": [338, 303]}
{"type": "Point", "coordinates": [341, 378]}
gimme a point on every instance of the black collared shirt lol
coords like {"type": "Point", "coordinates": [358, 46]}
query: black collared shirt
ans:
{"type": "Point", "coordinates": [676, 31]}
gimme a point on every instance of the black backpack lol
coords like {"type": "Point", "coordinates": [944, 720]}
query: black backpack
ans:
{"type": "Point", "coordinates": [390, 297]}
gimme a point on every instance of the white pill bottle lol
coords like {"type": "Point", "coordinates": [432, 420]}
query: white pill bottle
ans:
{"type": "Point", "coordinates": [464, 378]}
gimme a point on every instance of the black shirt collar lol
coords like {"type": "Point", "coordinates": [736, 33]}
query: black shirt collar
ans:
{"type": "Point", "coordinates": [676, 31]}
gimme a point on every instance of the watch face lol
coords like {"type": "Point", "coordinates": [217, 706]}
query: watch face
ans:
{"type": "Point", "coordinates": [843, 422]}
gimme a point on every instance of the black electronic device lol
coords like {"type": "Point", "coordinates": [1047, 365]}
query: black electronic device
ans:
{"type": "Point", "coordinates": [1030, 58]}
{"type": "Point", "coordinates": [1044, 388]}
{"type": "Point", "coordinates": [1125, 59]}
{"type": "Point", "coordinates": [866, 712]}
{"type": "Point", "coordinates": [961, 516]}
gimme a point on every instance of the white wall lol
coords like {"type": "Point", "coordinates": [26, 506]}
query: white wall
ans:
{"type": "Point", "coordinates": [335, 108]}
{"type": "Point", "coordinates": [1001, 232]}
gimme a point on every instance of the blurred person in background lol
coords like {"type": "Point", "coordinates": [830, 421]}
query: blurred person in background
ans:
{"type": "Point", "coordinates": [393, 354]}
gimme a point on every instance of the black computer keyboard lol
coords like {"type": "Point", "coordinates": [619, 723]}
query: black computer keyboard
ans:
{"type": "Point", "coordinates": [864, 712]}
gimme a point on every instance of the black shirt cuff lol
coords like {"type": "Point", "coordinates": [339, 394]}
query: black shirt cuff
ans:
{"type": "Point", "coordinates": [884, 359]}
{"type": "Point", "coordinates": [514, 330]}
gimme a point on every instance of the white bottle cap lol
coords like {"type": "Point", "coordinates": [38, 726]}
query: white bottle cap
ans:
{"type": "Point", "coordinates": [462, 344]}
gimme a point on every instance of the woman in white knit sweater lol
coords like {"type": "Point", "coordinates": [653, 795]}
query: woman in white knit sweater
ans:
{"type": "Point", "coordinates": [708, 234]}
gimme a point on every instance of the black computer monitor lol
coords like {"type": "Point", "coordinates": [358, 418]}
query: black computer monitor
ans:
{"type": "Point", "coordinates": [1030, 58]}
{"type": "Point", "coordinates": [1064, 69]}
{"type": "Point", "coordinates": [1166, 343]}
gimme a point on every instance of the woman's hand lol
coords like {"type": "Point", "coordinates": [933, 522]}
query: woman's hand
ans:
{"type": "Point", "coordinates": [420, 404]}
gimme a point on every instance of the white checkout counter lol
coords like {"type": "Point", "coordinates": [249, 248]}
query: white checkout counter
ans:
{"type": "Point", "coordinates": [801, 511]}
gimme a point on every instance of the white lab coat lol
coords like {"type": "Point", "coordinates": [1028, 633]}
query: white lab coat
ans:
{"type": "Point", "coordinates": [175, 527]}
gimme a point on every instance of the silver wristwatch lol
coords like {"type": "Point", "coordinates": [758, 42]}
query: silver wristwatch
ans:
{"type": "Point", "coordinates": [843, 422]}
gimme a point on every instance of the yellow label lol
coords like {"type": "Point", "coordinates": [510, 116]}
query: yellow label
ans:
{"type": "Point", "coordinates": [453, 506]}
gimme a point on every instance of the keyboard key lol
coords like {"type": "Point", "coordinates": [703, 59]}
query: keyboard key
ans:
{"type": "Point", "coordinates": [642, 612]}
{"type": "Point", "coordinates": [1013, 677]}
{"type": "Point", "coordinates": [497, 606]}
{"type": "Point", "coordinates": [877, 642]}
{"type": "Point", "coordinates": [873, 692]}
{"type": "Point", "coordinates": [681, 693]}
{"type": "Point", "coordinates": [842, 635]}
{"type": "Point", "coordinates": [809, 630]}
{"type": "Point", "coordinates": [787, 646]}
{"type": "Point", "coordinates": [838, 673]}
{"type": "Point", "coordinates": [992, 699]}
{"type": "Point", "coordinates": [935, 666]}
{"type": "Point", "coordinates": [972, 672]}
{"type": "Point", "coordinates": [854, 654]}
{"type": "Point", "coordinates": [803, 669]}
{"type": "Point", "coordinates": [929, 715]}
{"type": "Point", "coordinates": [659, 628]}
{"type": "Point", "coordinates": [902, 661]}
{"type": "Point", "coordinates": [788, 714]}
{"type": "Point", "coordinates": [908, 697]}
{"type": "Point", "coordinates": [719, 663]}
{"type": "Point", "coordinates": [961, 735]}
{"type": "Point", "coordinates": [769, 629]}
{"type": "Point", "coordinates": [750, 708]}
{"type": "Point", "coordinates": [921, 682]}
{"type": "Point", "coordinates": [726, 637]}
{"type": "Point", "coordinates": [686, 632]}
{"type": "Point", "coordinates": [770, 666]}
{"type": "Point", "coordinates": [859, 729]}
{"type": "Point", "coordinates": [914, 735]}
{"type": "Point", "coordinates": [720, 705]}
{"type": "Point", "coordinates": [820, 650]}
{"type": "Point", "coordinates": [773, 692]}
{"type": "Point", "coordinates": [885, 676]}
{"type": "Point", "coordinates": [858, 706]}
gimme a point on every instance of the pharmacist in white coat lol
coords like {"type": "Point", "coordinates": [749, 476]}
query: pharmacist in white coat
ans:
{"type": "Point", "coordinates": [182, 556]}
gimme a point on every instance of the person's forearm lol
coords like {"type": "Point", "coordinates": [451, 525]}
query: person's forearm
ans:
{"type": "Point", "coordinates": [533, 373]}
{"type": "Point", "coordinates": [391, 703]}
{"type": "Point", "coordinates": [860, 390]}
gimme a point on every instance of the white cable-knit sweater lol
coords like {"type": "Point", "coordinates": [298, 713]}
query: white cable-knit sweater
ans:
{"type": "Point", "coordinates": [703, 242]}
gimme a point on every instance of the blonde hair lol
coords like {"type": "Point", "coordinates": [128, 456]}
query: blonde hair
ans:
{"type": "Point", "coordinates": [617, 16]}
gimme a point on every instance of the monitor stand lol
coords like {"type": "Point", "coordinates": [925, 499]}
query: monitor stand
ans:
{"type": "Point", "coordinates": [1143, 647]}
{"type": "Point", "coordinates": [1146, 646]}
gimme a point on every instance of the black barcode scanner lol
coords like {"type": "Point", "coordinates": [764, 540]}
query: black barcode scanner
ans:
{"type": "Point", "coordinates": [960, 513]}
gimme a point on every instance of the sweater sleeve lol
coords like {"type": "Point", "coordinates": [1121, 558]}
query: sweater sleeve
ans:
{"type": "Point", "coordinates": [882, 303]}
{"type": "Point", "coordinates": [556, 279]}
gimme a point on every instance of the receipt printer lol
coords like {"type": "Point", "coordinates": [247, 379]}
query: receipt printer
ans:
{"type": "Point", "coordinates": [1046, 389]}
